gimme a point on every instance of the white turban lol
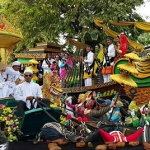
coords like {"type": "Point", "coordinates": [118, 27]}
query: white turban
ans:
{"type": "Point", "coordinates": [28, 70]}
{"type": "Point", "coordinates": [16, 63]}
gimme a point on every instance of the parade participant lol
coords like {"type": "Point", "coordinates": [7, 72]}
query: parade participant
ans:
{"type": "Point", "coordinates": [5, 91]}
{"type": "Point", "coordinates": [27, 93]}
{"type": "Point", "coordinates": [98, 59]}
{"type": "Point", "coordinates": [66, 65]}
{"type": "Point", "coordinates": [88, 66]}
{"type": "Point", "coordinates": [122, 45]}
{"type": "Point", "coordinates": [13, 75]}
{"type": "Point", "coordinates": [102, 107]}
{"type": "Point", "coordinates": [79, 108]}
{"type": "Point", "coordinates": [55, 64]}
{"type": "Point", "coordinates": [47, 62]}
{"type": "Point", "coordinates": [109, 57]}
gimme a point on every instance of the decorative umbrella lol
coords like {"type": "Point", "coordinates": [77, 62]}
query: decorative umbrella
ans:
{"type": "Point", "coordinates": [34, 61]}
{"type": "Point", "coordinates": [132, 56]}
{"type": "Point", "coordinates": [123, 79]}
{"type": "Point", "coordinates": [128, 67]}
{"type": "Point", "coordinates": [9, 36]}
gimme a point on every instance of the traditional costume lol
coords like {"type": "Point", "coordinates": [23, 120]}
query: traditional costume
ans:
{"type": "Point", "coordinates": [26, 89]}
{"type": "Point", "coordinates": [47, 64]}
{"type": "Point", "coordinates": [5, 91]}
{"type": "Point", "coordinates": [97, 65]}
{"type": "Point", "coordinates": [88, 68]}
{"type": "Point", "coordinates": [11, 75]}
{"type": "Point", "coordinates": [108, 62]}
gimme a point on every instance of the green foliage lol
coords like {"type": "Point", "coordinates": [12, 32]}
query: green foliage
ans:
{"type": "Point", "coordinates": [144, 39]}
{"type": "Point", "coordinates": [45, 20]}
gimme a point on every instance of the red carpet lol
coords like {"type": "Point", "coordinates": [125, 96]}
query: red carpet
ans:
{"type": "Point", "coordinates": [71, 146]}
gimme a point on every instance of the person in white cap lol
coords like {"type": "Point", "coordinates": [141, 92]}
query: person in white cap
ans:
{"type": "Point", "coordinates": [27, 93]}
{"type": "Point", "coordinates": [13, 75]}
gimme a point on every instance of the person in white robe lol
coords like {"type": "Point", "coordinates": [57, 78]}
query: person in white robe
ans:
{"type": "Point", "coordinates": [109, 58]}
{"type": "Point", "coordinates": [88, 66]}
{"type": "Point", "coordinates": [47, 62]}
{"type": "Point", "coordinates": [5, 91]}
{"type": "Point", "coordinates": [13, 75]}
{"type": "Point", "coordinates": [27, 94]}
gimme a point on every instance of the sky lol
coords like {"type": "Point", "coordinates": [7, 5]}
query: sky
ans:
{"type": "Point", "coordinates": [144, 10]}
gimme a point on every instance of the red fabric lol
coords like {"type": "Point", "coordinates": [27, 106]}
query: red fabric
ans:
{"type": "Point", "coordinates": [106, 136]}
{"type": "Point", "coordinates": [134, 137]}
{"type": "Point", "coordinates": [123, 44]}
{"type": "Point", "coordinates": [117, 136]}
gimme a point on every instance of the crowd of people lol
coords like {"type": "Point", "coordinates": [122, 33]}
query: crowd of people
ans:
{"type": "Point", "coordinates": [97, 65]}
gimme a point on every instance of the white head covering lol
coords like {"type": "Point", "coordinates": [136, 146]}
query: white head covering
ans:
{"type": "Point", "coordinates": [28, 70]}
{"type": "Point", "coordinates": [16, 63]}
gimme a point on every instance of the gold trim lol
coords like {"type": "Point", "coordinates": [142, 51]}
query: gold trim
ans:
{"type": "Point", "coordinates": [7, 28]}
{"type": "Point", "coordinates": [45, 49]}
{"type": "Point", "coordinates": [47, 43]}
{"type": "Point", "coordinates": [87, 88]}
{"type": "Point", "coordinates": [24, 55]}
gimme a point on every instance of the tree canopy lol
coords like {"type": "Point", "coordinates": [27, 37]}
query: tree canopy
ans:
{"type": "Point", "coordinates": [45, 20]}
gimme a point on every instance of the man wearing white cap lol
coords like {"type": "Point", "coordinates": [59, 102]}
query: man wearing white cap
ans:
{"type": "Point", "coordinates": [13, 75]}
{"type": "Point", "coordinates": [27, 93]}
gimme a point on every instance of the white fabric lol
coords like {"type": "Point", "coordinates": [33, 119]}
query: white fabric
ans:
{"type": "Point", "coordinates": [106, 78]}
{"type": "Point", "coordinates": [45, 66]}
{"type": "Point", "coordinates": [28, 70]}
{"type": "Point", "coordinates": [16, 63]}
{"type": "Point", "coordinates": [88, 82]}
{"type": "Point", "coordinates": [11, 75]}
{"type": "Point", "coordinates": [89, 60]}
{"type": "Point", "coordinates": [5, 89]}
{"type": "Point", "coordinates": [26, 89]}
{"type": "Point", "coordinates": [69, 100]}
{"type": "Point", "coordinates": [111, 53]}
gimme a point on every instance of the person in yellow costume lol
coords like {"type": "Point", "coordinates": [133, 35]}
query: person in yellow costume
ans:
{"type": "Point", "coordinates": [33, 67]}
{"type": "Point", "coordinates": [98, 57]}
{"type": "Point", "coordinates": [88, 62]}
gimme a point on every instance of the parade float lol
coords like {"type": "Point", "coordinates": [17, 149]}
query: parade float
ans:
{"type": "Point", "coordinates": [9, 37]}
{"type": "Point", "coordinates": [137, 71]}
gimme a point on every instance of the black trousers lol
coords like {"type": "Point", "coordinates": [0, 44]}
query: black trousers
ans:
{"type": "Point", "coordinates": [21, 106]}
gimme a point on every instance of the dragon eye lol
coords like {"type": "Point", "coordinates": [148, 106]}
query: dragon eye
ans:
{"type": "Point", "coordinates": [53, 84]}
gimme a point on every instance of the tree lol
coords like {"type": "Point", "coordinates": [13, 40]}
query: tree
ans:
{"type": "Point", "coordinates": [45, 20]}
{"type": "Point", "coordinates": [144, 39]}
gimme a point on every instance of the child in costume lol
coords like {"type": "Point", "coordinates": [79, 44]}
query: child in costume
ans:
{"type": "Point", "coordinates": [79, 108]}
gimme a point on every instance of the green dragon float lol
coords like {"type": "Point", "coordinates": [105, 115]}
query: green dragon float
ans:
{"type": "Point", "coordinates": [141, 78]}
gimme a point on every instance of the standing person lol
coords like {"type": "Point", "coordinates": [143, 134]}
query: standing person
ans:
{"type": "Point", "coordinates": [109, 58]}
{"type": "Point", "coordinates": [98, 60]}
{"type": "Point", "coordinates": [88, 66]}
{"type": "Point", "coordinates": [47, 62]}
{"type": "Point", "coordinates": [27, 93]}
{"type": "Point", "coordinates": [55, 64]}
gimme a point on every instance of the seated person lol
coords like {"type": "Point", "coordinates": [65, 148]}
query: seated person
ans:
{"type": "Point", "coordinates": [13, 75]}
{"type": "Point", "coordinates": [5, 90]}
{"type": "Point", "coordinates": [27, 93]}
{"type": "Point", "coordinates": [102, 107]}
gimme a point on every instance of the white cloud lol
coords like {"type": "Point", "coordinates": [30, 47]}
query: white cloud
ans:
{"type": "Point", "coordinates": [144, 10]}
